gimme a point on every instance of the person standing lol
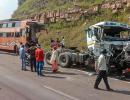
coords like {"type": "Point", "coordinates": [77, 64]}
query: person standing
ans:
{"type": "Point", "coordinates": [31, 51]}
{"type": "Point", "coordinates": [39, 54]}
{"type": "Point", "coordinates": [54, 60]}
{"type": "Point", "coordinates": [16, 49]}
{"type": "Point", "coordinates": [22, 57]}
{"type": "Point", "coordinates": [63, 42]}
{"type": "Point", "coordinates": [102, 71]}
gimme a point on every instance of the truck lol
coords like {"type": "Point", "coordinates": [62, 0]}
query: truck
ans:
{"type": "Point", "coordinates": [109, 35]}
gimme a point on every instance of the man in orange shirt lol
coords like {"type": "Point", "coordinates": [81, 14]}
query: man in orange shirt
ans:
{"type": "Point", "coordinates": [39, 54]}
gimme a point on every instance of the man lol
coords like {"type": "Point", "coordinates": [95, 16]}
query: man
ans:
{"type": "Point", "coordinates": [102, 71]}
{"type": "Point", "coordinates": [16, 49]}
{"type": "Point", "coordinates": [63, 42]}
{"type": "Point", "coordinates": [22, 57]}
{"type": "Point", "coordinates": [31, 51]}
{"type": "Point", "coordinates": [39, 54]}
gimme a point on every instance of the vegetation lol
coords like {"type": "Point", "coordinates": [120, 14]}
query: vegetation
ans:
{"type": "Point", "coordinates": [74, 31]}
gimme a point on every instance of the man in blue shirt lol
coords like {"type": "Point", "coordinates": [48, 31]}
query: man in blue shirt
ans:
{"type": "Point", "coordinates": [22, 57]}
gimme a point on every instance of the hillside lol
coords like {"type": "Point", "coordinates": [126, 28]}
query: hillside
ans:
{"type": "Point", "coordinates": [69, 18]}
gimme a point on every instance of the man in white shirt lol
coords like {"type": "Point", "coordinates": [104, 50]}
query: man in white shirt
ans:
{"type": "Point", "coordinates": [102, 71]}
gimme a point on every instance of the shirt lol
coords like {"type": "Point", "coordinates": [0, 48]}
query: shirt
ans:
{"type": "Point", "coordinates": [22, 53]}
{"type": "Point", "coordinates": [102, 62]}
{"type": "Point", "coordinates": [32, 51]}
{"type": "Point", "coordinates": [39, 54]}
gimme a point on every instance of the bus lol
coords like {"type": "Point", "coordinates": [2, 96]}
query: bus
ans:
{"type": "Point", "coordinates": [13, 32]}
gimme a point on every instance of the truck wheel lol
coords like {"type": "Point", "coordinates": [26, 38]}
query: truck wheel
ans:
{"type": "Point", "coordinates": [64, 60]}
{"type": "Point", "coordinates": [48, 57]}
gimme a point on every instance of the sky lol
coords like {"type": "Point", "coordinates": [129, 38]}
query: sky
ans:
{"type": "Point", "coordinates": [7, 7]}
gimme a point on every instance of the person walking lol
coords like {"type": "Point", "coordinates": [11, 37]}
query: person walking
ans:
{"type": "Point", "coordinates": [102, 71]}
{"type": "Point", "coordinates": [31, 51]}
{"type": "Point", "coordinates": [39, 54]}
{"type": "Point", "coordinates": [54, 60]}
{"type": "Point", "coordinates": [22, 57]}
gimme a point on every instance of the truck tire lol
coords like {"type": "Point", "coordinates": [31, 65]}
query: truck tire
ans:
{"type": "Point", "coordinates": [48, 57]}
{"type": "Point", "coordinates": [64, 60]}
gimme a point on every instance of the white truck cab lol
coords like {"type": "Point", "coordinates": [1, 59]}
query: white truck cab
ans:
{"type": "Point", "coordinates": [103, 35]}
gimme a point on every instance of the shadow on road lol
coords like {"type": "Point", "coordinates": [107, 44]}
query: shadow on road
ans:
{"type": "Point", "coordinates": [62, 73]}
{"type": "Point", "coordinates": [48, 70]}
{"type": "Point", "coordinates": [7, 53]}
{"type": "Point", "coordinates": [59, 77]}
{"type": "Point", "coordinates": [122, 92]}
{"type": "Point", "coordinates": [125, 92]}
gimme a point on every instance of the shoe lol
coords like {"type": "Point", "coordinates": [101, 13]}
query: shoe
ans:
{"type": "Point", "coordinates": [97, 88]}
{"type": "Point", "coordinates": [42, 75]}
{"type": "Point", "coordinates": [54, 71]}
{"type": "Point", "coordinates": [110, 89]}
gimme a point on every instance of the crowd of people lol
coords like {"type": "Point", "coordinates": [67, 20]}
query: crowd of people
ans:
{"type": "Point", "coordinates": [36, 60]}
{"type": "Point", "coordinates": [35, 55]}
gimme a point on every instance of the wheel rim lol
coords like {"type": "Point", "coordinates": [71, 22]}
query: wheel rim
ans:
{"type": "Point", "coordinates": [63, 59]}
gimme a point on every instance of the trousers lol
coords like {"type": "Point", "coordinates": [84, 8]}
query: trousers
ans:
{"type": "Point", "coordinates": [39, 67]}
{"type": "Point", "coordinates": [102, 75]}
{"type": "Point", "coordinates": [23, 63]}
{"type": "Point", "coordinates": [33, 64]}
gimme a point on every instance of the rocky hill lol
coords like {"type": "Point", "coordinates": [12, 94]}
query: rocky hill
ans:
{"type": "Point", "coordinates": [69, 18]}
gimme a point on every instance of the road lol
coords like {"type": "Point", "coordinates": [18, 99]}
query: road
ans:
{"type": "Point", "coordinates": [67, 84]}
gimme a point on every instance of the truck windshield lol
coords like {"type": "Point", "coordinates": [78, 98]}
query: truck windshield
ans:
{"type": "Point", "coordinates": [115, 34]}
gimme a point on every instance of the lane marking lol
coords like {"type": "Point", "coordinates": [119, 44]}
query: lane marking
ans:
{"type": "Point", "coordinates": [86, 72]}
{"type": "Point", "coordinates": [114, 79]}
{"type": "Point", "coordinates": [61, 93]}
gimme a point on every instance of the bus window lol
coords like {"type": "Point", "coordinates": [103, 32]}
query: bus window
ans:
{"type": "Point", "coordinates": [23, 32]}
{"type": "Point", "coordinates": [5, 25]}
{"type": "Point", "coordinates": [13, 24]}
{"type": "Point", "coordinates": [1, 34]}
{"type": "Point", "coordinates": [8, 34]}
{"type": "Point", "coordinates": [17, 24]}
{"type": "Point", "coordinates": [4, 34]}
{"type": "Point", "coordinates": [9, 25]}
{"type": "Point", "coordinates": [12, 34]}
{"type": "Point", "coordinates": [18, 34]}
{"type": "Point", "coordinates": [1, 25]}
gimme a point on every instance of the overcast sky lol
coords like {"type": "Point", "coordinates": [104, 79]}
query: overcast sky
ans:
{"type": "Point", "coordinates": [7, 7]}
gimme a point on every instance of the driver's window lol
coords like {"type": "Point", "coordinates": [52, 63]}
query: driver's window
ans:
{"type": "Point", "coordinates": [96, 33]}
{"type": "Point", "coordinates": [90, 33]}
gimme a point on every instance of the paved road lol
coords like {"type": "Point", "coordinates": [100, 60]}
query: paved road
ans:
{"type": "Point", "coordinates": [68, 84]}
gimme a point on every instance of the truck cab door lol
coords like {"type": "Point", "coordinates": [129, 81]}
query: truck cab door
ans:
{"type": "Point", "coordinates": [93, 42]}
